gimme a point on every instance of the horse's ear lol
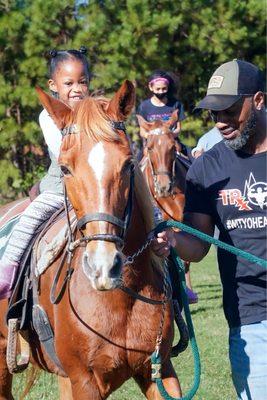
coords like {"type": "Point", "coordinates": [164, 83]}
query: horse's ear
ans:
{"type": "Point", "coordinates": [58, 111]}
{"type": "Point", "coordinates": [145, 126]}
{"type": "Point", "coordinates": [123, 101]}
{"type": "Point", "coordinates": [143, 123]}
{"type": "Point", "coordinates": [174, 118]}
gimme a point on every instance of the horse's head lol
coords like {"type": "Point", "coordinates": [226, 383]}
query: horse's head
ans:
{"type": "Point", "coordinates": [96, 161]}
{"type": "Point", "coordinates": [160, 150]}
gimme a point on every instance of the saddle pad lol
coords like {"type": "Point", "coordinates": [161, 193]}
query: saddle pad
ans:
{"type": "Point", "coordinates": [9, 216]}
{"type": "Point", "coordinates": [52, 243]}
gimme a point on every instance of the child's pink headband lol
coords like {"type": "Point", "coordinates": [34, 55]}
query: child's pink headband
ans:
{"type": "Point", "coordinates": [160, 79]}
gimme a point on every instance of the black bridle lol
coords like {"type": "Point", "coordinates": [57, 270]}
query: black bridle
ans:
{"type": "Point", "coordinates": [157, 173]}
{"type": "Point", "coordinates": [122, 223]}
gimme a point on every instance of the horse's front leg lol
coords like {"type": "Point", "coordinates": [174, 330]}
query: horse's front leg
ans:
{"type": "Point", "coordinates": [84, 387]}
{"type": "Point", "coordinates": [5, 376]}
{"type": "Point", "coordinates": [169, 379]}
{"type": "Point", "coordinates": [65, 390]}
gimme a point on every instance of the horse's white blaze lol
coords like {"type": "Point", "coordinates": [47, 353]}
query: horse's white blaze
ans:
{"type": "Point", "coordinates": [96, 160]}
{"type": "Point", "coordinates": [100, 258]}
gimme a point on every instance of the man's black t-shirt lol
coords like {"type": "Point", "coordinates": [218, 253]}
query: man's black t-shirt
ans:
{"type": "Point", "coordinates": [231, 187]}
{"type": "Point", "coordinates": [152, 113]}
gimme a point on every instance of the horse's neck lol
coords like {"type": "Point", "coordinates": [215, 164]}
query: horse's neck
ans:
{"type": "Point", "coordinates": [146, 169]}
{"type": "Point", "coordinates": [136, 237]}
{"type": "Point", "coordinates": [180, 175]}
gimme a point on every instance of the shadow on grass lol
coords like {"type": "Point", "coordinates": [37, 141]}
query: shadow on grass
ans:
{"type": "Point", "coordinates": [202, 309]}
{"type": "Point", "coordinates": [211, 297]}
{"type": "Point", "coordinates": [213, 286]}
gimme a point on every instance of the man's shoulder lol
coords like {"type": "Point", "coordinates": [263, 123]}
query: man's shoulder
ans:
{"type": "Point", "coordinates": [218, 148]}
{"type": "Point", "coordinates": [217, 152]}
{"type": "Point", "coordinates": [210, 161]}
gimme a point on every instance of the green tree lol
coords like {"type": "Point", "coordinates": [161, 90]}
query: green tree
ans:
{"type": "Point", "coordinates": [27, 30]}
{"type": "Point", "coordinates": [134, 37]}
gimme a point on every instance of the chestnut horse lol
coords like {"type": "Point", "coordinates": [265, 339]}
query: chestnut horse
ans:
{"type": "Point", "coordinates": [164, 173]}
{"type": "Point", "coordinates": [103, 335]}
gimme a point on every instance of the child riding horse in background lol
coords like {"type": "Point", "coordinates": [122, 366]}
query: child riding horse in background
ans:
{"type": "Point", "coordinates": [162, 103]}
{"type": "Point", "coordinates": [69, 80]}
{"type": "Point", "coordinates": [162, 107]}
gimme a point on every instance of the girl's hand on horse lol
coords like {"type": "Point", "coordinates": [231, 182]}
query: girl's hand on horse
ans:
{"type": "Point", "coordinates": [163, 242]}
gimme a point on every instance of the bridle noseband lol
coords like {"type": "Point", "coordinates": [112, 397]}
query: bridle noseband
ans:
{"type": "Point", "coordinates": [123, 223]}
{"type": "Point", "coordinates": [157, 173]}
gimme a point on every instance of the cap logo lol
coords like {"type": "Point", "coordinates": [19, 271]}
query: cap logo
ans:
{"type": "Point", "coordinates": [216, 81]}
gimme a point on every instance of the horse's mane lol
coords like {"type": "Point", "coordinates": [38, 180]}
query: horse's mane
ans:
{"type": "Point", "coordinates": [91, 118]}
{"type": "Point", "coordinates": [143, 199]}
{"type": "Point", "coordinates": [145, 204]}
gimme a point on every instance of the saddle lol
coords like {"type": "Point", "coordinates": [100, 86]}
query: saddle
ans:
{"type": "Point", "coordinates": [24, 311]}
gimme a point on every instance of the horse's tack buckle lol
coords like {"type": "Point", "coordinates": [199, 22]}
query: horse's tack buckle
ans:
{"type": "Point", "coordinates": [68, 130]}
{"type": "Point", "coordinates": [155, 371]}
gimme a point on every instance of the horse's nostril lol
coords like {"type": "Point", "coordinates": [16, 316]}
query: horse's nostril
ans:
{"type": "Point", "coordinates": [116, 268]}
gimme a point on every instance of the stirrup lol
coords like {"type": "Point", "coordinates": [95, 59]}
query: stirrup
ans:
{"type": "Point", "coordinates": [13, 337]}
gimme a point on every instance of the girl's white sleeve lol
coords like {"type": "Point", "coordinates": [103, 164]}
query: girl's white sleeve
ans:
{"type": "Point", "coordinates": [52, 134]}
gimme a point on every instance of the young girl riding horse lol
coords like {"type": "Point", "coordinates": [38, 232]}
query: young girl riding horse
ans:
{"type": "Point", "coordinates": [69, 80]}
{"type": "Point", "coordinates": [161, 106]}
{"type": "Point", "coordinates": [162, 103]}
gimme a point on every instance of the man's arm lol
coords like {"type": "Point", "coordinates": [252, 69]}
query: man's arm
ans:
{"type": "Point", "coordinates": [189, 247]}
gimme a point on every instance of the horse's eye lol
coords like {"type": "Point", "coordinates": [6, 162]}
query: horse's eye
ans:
{"type": "Point", "coordinates": [65, 171]}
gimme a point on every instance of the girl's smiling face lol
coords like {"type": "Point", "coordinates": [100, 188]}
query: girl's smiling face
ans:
{"type": "Point", "coordinates": [70, 82]}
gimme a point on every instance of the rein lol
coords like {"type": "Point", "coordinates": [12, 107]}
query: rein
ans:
{"type": "Point", "coordinates": [157, 173]}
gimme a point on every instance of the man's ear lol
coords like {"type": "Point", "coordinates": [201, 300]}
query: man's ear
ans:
{"type": "Point", "coordinates": [58, 111]}
{"type": "Point", "coordinates": [121, 104]}
{"type": "Point", "coordinates": [259, 100]}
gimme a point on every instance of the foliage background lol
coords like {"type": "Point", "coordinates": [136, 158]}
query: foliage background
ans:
{"type": "Point", "coordinates": [126, 39]}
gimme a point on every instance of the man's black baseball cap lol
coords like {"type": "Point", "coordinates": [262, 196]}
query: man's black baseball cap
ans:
{"type": "Point", "coordinates": [229, 83]}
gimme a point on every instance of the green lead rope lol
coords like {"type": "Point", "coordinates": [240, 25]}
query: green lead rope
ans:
{"type": "Point", "coordinates": [238, 252]}
{"type": "Point", "coordinates": [155, 357]}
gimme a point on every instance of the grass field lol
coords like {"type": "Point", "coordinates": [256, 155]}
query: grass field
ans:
{"type": "Point", "coordinates": [211, 333]}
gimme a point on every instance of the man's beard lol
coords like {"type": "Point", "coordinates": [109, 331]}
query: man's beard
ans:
{"type": "Point", "coordinates": [248, 131]}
